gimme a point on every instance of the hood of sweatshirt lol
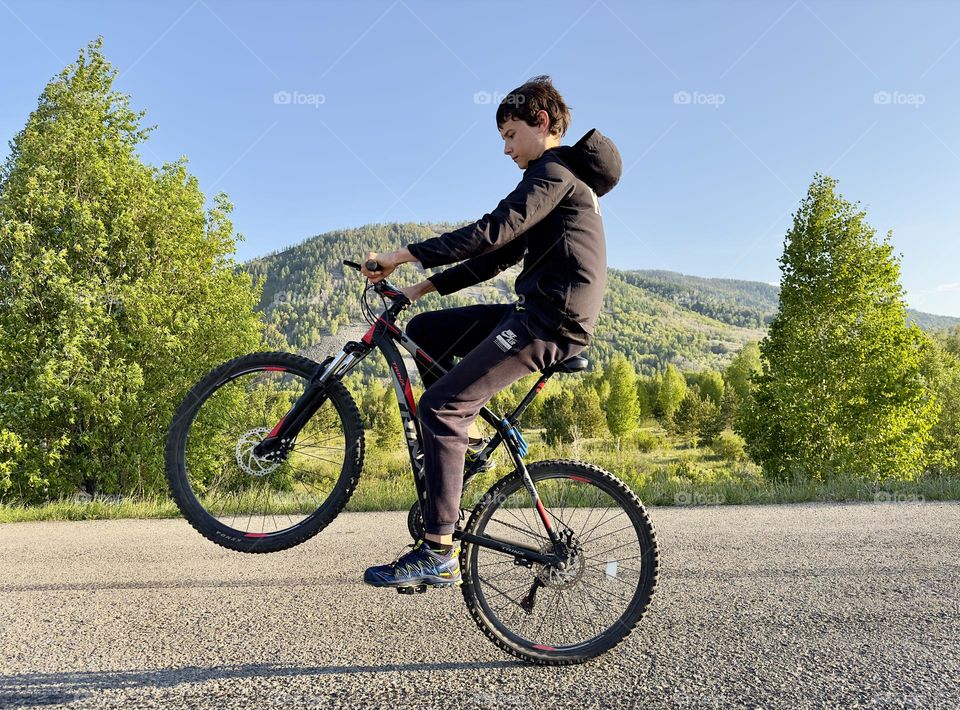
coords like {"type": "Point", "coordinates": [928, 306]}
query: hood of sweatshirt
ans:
{"type": "Point", "coordinates": [594, 159]}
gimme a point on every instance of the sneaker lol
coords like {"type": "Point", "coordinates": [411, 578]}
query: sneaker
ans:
{"type": "Point", "coordinates": [420, 567]}
{"type": "Point", "coordinates": [474, 447]}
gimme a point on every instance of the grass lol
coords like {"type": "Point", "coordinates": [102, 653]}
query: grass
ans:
{"type": "Point", "coordinates": [661, 469]}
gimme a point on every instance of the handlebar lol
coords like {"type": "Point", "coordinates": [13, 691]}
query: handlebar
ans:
{"type": "Point", "coordinates": [383, 287]}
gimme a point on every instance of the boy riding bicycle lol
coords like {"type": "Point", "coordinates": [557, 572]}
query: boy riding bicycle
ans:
{"type": "Point", "coordinates": [552, 222]}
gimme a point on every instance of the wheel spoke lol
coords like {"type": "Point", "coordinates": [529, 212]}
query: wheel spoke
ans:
{"type": "Point", "coordinates": [580, 603]}
{"type": "Point", "coordinates": [247, 493]}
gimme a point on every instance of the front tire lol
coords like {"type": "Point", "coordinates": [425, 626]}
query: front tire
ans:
{"type": "Point", "coordinates": [251, 504]}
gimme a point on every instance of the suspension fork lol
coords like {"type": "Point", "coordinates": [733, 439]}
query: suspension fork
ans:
{"type": "Point", "coordinates": [313, 397]}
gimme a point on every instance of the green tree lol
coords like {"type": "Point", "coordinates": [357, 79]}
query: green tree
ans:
{"type": "Point", "coordinates": [739, 373]}
{"type": "Point", "coordinates": [686, 418]}
{"type": "Point", "coordinates": [710, 423]}
{"type": "Point", "coordinates": [119, 291]}
{"type": "Point", "coordinates": [622, 408]}
{"type": "Point", "coordinates": [371, 402]}
{"type": "Point", "coordinates": [557, 417]}
{"type": "Point", "coordinates": [388, 426]}
{"type": "Point", "coordinates": [698, 416]}
{"type": "Point", "coordinates": [589, 416]}
{"type": "Point", "coordinates": [711, 385]}
{"type": "Point", "coordinates": [673, 388]}
{"type": "Point", "coordinates": [841, 390]}
{"type": "Point", "coordinates": [942, 372]}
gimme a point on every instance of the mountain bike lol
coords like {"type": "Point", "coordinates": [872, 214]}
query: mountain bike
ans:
{"type": "Point", "coordinates": [559, 559]}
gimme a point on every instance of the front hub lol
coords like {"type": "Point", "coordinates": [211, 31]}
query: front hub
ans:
{"type": "Point", "coordinates": [252, 464]}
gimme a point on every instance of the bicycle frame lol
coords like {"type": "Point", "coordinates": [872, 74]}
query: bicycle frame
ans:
{"type": "Point", "coordinates": [385, 336]}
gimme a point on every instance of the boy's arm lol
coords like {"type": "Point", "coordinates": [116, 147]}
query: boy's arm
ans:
{"type": "Point", "coordinates": [479, 268]}
{"type": "Point", "coordinates": [533, 199]}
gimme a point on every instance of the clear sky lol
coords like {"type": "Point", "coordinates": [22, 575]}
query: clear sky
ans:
{"type": "Point", "coordinates": [316, 116]}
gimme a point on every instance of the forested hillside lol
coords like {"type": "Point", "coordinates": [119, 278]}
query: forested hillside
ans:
{"type": "Point", "coordinates": [652, 317]}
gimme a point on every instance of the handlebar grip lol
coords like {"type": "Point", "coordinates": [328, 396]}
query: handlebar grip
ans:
{"type": "Point", "coordinates": [372, 265]}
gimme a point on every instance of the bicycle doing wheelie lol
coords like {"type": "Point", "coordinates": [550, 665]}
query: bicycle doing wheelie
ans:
{"type": "Point", "coordinates": [558, 559]}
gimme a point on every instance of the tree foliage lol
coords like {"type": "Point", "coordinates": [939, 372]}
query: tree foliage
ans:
{"type": "Point", "coordinates": [118, 291]}
{"type": "Point", "coordinates": [841, 391]}
{"type": "Point", "coordinates": [622, 408]}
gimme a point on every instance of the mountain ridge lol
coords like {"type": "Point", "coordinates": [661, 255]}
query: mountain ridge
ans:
{"type": "Point", "coordinates": [653, 316]}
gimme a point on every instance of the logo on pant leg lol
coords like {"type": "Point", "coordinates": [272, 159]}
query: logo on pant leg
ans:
{"type": "Point", "coordinates": [505, 340]}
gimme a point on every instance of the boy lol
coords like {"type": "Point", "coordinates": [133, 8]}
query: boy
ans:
{"type": "Point", "coordinates": [552, 222]}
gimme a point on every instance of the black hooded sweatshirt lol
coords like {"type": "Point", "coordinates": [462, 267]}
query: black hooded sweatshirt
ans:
{"type": "Point", "coordinates": [552, 221]}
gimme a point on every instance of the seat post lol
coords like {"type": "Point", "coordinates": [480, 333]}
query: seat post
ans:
{"type": "Point", "coordinates": [515, 415]}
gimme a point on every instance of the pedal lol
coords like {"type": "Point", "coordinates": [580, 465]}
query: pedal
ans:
{"type": "Point", "coordinates": [412, 589]}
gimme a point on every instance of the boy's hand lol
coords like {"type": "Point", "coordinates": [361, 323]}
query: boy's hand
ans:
{"type": "Point", "coordinates": [387, 266]}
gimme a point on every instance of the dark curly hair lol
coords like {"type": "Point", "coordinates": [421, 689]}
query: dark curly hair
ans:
{"type": "Point", "coordinates": [537, 94]}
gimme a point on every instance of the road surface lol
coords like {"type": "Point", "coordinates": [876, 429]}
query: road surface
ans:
{"type": "Point", "coordinates": [839, 605]}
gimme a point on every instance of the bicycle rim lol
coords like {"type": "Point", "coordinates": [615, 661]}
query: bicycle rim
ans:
{"type": "Point", "coordinates": [247, 495]}
{"type": "Point", "coordinates": [588, 607]}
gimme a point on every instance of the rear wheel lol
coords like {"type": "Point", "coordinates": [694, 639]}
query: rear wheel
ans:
{"type": "Point", "coordinates": [415, 521]}
{"type": "Point", "coordinates": [252, 504]}
{"type": "Point", "coordinates": [555, 615]}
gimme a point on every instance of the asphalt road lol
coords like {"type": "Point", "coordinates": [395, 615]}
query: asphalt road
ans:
{"type": "Point", "coordinates": [852, 605]}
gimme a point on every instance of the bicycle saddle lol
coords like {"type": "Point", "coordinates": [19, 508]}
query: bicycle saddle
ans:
{"type": "Point", "coordinates": [571, 364]}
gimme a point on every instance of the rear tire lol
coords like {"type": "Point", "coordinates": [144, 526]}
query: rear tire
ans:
{"type": "Point", "coordinates": [317, 505]}
{"type": "Point", "coordinates": [633, 574]}
{"type": "Point", "coordinates": [415, 522]}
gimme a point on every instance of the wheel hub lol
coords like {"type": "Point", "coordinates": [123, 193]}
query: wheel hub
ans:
{"type": "Point", "coordinates": [249, 462]}
{"type": "Point", "coordinates": [569, 569]}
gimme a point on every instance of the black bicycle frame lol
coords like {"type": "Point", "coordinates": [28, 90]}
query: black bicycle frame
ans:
{"type": "Point", "coordinates": [385, 336]}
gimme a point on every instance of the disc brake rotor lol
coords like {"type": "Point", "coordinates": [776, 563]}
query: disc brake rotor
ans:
{"type": "Point", "coordinates": [560, 578]}
{"type": "Point", "coordinates": [250, 463]}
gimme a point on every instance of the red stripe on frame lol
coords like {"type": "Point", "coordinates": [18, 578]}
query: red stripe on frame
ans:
{"type": "Point", "coordinates": [543, 515]}
{"type": "Point", "coordinates": [395, 330]}
{"type": "Point", "coordinates": [277, 427]}
{"type": "Point", "coordinates": [409, 394]}
{"type": "Point", "coordinates": [368, 338]}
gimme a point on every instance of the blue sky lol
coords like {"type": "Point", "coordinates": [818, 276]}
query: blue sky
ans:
{"type": "Point", "coordinates": [722, 113]}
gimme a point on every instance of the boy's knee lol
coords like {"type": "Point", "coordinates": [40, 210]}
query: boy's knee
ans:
{"type": "Point", "coordinates": [427, 405]}
{"type": "Point", "coordinates": [415, 326]}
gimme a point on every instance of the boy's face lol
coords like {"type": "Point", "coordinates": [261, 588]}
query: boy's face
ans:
{"type": "Point", "coordinates": [523, 143]}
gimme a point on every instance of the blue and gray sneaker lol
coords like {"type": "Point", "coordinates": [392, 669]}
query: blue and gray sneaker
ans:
{"type": "Point", "coordinates": [418, 569]}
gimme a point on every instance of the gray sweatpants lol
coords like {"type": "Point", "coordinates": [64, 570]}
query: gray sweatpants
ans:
{"type": "Point", "coordinates": [498, 345]}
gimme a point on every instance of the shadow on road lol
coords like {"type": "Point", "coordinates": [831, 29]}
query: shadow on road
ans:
{"type": "Point", "coordinates": [324, 581]}
{"type": "Point", "coordinates": [37, 689]}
